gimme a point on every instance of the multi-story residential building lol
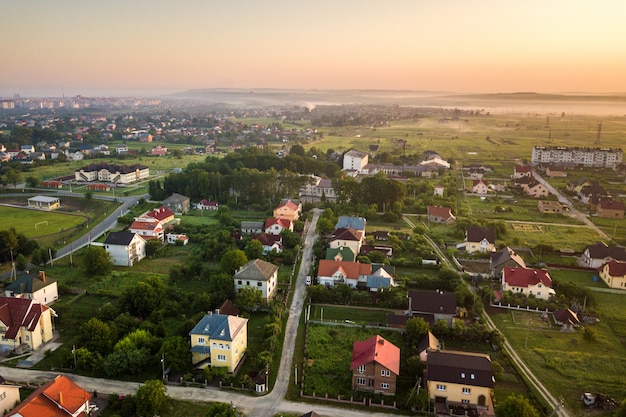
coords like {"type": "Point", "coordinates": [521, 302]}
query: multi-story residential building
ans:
{"type": "Point", "coordinates": [125, 248]}
{"type": "Point", "coordinates": [219, 340]}
{"type": "Point", "coordinates": [355, 161]}
{"type": "Point", "coordinates": [375, 366]}
{"type": "Point", "coordinates": [24, 324]}
{"type": "Point", "coordinates": [260, 275]}
{"type": "Point", "coordinates": [590, 157]}
{"type": "Point", "coordinates": [112, 173]}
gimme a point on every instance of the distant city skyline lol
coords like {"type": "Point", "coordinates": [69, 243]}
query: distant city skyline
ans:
{"type": "Point", "coordinates": [157, 47]}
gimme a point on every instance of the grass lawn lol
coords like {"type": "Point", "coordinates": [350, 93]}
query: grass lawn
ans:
{"type": "Point", "coordinates": [356, 315]}
{"type": "Point", "coordinates": [30, 222]}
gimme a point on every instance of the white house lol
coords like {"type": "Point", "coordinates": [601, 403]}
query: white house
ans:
{"type": "Point", "coordinates": [355, 161]}
{"type": "Point", "coordinates": [527, 281]}
{"type": "Point", "coordinates": [34, 287]}
{"type": "Point", "coordinates": [260, 275]}
{"type": "Point", "coordinates": [275, 226]}
{"type": "Point", "coordinates": [125, 248]}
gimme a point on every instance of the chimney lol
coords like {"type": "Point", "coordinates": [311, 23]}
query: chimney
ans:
{"type": "Point", "coordinates": [60, 398]}
{"type": "Point", "coordinates": [42, 275]}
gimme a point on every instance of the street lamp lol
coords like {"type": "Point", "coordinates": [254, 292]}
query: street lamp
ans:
{"type": "Point", "coordinates": [163, 366]}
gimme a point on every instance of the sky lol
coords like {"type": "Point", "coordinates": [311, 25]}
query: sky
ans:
{"type": "Point", "coordinates": [129, 47]}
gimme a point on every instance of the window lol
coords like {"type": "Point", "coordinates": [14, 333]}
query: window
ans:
{"type": "Point", "coordinates": [463, 375]}
{"type": "Point", "coordinates": [214, 345]}
{"type": "Point", "coordinates": [259, 284]}
{"type": "Point", "coordinates": [27, 337]}
{"type": "Point", "coordinates": [361, 369]}
{"type": "Point", "coordinates": [465, 401]}
{"type": "Point", "coordinates": [201, 340]}
{"type": "Point", "coordinates": [221, 346]}
{"type": "Point", "coordinates": [441, 387]}
{"type": "Point", "coordinates": [472, 376]}
{"type": "Point", "coordinates": [221, 358]}
{"type": "Point", "coordinates": [360, 381]}
{"type": "Point", "coordinates": [384, 385]}
{"type": "Point", "coordinates": [247, 282]}
{"type": "Point", "coordinates": [239, 282]}
{"type": "Point", "coordinates": [3, 395]}
{"type": "Point", "coordinates": [466, 390]}
{"type": "Point", "coordinates": [385, 372]}
{"type": "Point", "coordinates": [227, 347]}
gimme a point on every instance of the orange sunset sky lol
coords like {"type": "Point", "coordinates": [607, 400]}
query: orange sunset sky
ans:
{"type": "Point", "coordinates": [111, 47]}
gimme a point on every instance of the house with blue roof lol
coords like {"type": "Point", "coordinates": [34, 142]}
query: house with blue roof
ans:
{"type": "Point", "coordinates": [349, 222]}
{"type": "Point", "coordinates": [219, 340]}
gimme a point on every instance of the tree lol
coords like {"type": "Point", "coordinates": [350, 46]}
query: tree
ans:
{"type": "Point", "coordinates": [32, 181]}
{"type": "Point", "coordinates": [249, 298]}
{"type": "Point", "coordinates": [254, 249]}
{"type": "Point", "coordinates": [151, 398]}
{"type": "Point", "coordinates": [21, 263]}
{"type": "Point", "coordinates": [221, 410]}
{"type": "Point", "coordinates": [13, 177]}
{"type": "Point", "coordinates": [98, 261]}
{"type": "Point", "coordinates": [232, 260]}
{"type": "Point", "coordinates": [415, 329]}
{"type": "Point", "coordinates": [152, 246]}
{"type": "Point", "coordinates": [96, 336]}
{"type": "Point", "coordinates": [175, 351]}
{"type": "Point", "coordinates": [516, 406]}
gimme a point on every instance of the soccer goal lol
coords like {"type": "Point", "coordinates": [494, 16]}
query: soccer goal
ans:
{"type": "Point", "coordinates": [45, 222]}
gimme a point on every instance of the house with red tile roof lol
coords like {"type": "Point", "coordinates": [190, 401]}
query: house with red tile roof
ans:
{"type": "Point", "coordinates": [438, 214]}
{"type": "Point", "coordinates": [288, 209]}
{"type": "Point", "coordinates": [479, 187]}
{"type": "Point", "coordinates": [205, 204]}
{"type": "Point", "coordinates": [527, 281]}
{"type": "Point", "coordinates": [274, 226]}
{"type": "Point", "coordinates": [25, 324]}
{"type": "Point", "coordinates": [60, 397]}
{"type": "Point", "coordinates": [270, 242]}
{"type": "Point", "coordinates": [375, 365]}
{"type": "Point", "coordinates": [148, 228]}
{"type": "Point", "coordinates": [158, 150]}
{"type": "Point", "coordinates": [162, 214]}
{"type": "Point", "coordinates": [613, 273]}
{"type": "Point", "coordinates": [520, 171]}
{"type": "Point", "coordinates": [331, 272]}
{"type": "Point", "coordinates": [611, 209]}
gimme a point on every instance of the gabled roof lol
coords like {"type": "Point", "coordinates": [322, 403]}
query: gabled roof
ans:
{"type": "Point", "coordinates": [612, 205]}
{"type": "Point", "coordinates": [207, 203]}
{"type": "Point", "coordinates": [376, 349]}
{"type": "Point", "coordinates": [523, 277]}
{"type": "Point", "coordinates": [428, 341]}
{"type": "Point", "coordinates": [615, 268]}
{"type": "Point", "coordinates": [504, 255]}
{"type": "Point", "coordinates": [18, 312]}
{"type": "Point", "coordinates": [442, 212]}
{"type": "Point", "coordinates": [288, 204]}
{"type": "Point", "coordinates": [160, 213]}
{"type": "Point", "coordinates": [347, 234]}
{"type": "Point", "coordinates": [435, 302]}
{"type": "Point", "coordinates": [228, 308]}
{"type": "Point", "coordinates": [26, 284]}
{"type": "Point", "coordinates": [351, 270]}
{"type": "Point", "coordinates": [257, 270]}
{"type": "Point", "coordinates": [459, 367]}
{"type": "Point", "coordinates": [60, 397]}
{"type": "Point", "coordinates": [600, 250]}
{"type": "Point", "coordinates": [175, 198]}
{"type": "Point", "coordinates": [522, 169]}
{"type": "Point", "coordinates": [349, 222]}
{"type": "Point", "coordinates": [219, 326]}
{"type": "Point", "coordinates": [565, 315]}
{"type": "Point", "coordinates": [477, 234]}
{"type": "Point", "coordinates": [344, 252]}
{"type": "Point", "coordinates": [119, 238]}
{"type": "Point", "coordinates": [281, 221]}
{"type": "Point", "coordinates": [154, 225]}
{"type": "Point", "coordinates": [477, 182]}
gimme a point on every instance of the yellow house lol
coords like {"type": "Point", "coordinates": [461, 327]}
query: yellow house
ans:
{"type": "Point", "coordinates": [24, 324]}
{"type": "Point", "coordinates": [287, 209]}
{"type": "Point", "coordinates": [613, 273]}
{"type": "Point", "coordinates": [480, 239]}
{"type": "Point", "coordinates": [460, 379]}
{"type": "Point", "coordinates": [219, 340]}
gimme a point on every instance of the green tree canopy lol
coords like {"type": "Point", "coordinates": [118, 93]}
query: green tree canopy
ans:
{"type": "Point", "coordinates": [516, 406]}
{"type": "Point", "coordinates": [221, 410]}
{"type": "Point", "coordinates": [96, 336]}
{"type": "Point", "coordinates": [249, 299]}
{"type": "Point", "coordinates": [232, 260]}
{"type": "Point", "coordinates": [98, 261]}
{"type": "Point", "coordinates": [151, 399]}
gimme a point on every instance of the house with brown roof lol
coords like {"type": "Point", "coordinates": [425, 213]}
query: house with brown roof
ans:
{"type": "Point", "coordinates": [60, 397]}
{"type": "Point", "coordinates": [270, 242]}
{"type": "Point", "coordinates": [432, 306]}
{"type": "Point", "coordinates": [205, 204]}
{"type": "Point", "coordinates": [350, 238]}
{"type": "Point", "coordinates": [567, 319]}
{"type": "Point", "coordinates": [24, 324]}
{"type": "Point", "coordinates": [178, 203]}
{"type": "Point", "coordinates": [427, 344]}
{"type": "Point", "coordinates": [613, 273]}
{"type": "Point", "coordinates": [527, 281]}
{"type": "Point", "coordinates": [456, 378]}
{"type": "Point", "coordinates": [375, 366]}
{"type": "Point", "coordinates": [599, 253]}
{"type": "Point", "coordinates": [260, 275]}
{"type": "Point", "coordinates": [438, 214]}
{"type": "Point", "coordinates": [479, 187]}
{"type": "Point", "coordinates": [503, 258]}
{"type": "Point", "coordinates": [520, 171]}
{"type": "Point", "coordinates": [532, 187]}
{"type": "Point", "coordinates": [611, 209]}
{"type": "Point", "coordinates": [288, 209]}
{"type": "Point", "coordinates": [480, 239]}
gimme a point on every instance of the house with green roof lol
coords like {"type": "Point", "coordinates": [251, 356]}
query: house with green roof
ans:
{"type": "Point", "coordinates": [219, 340]}
{"type": "Point", "coordinates": [342, 253]}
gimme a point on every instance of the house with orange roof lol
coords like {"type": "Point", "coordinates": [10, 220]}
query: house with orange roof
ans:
{"type": "Point", "coordinates": [24, 324]}
{"type": "Point", "coordinates": [274, 226]}
{"type": "Point", "coordinates": [375, 365]}
{"type": "Point", "coordinates": [527, 281]}
{"type": "Point", "coordinates": [613, 273]}
{"type": "Point", "coordinates": [331, 272]}
{"type": "Point", "coordinates": [288, 209]}
{"type": "Point", "coordinates": [60, 397]}
{"type": "Point", "coordinates": [148, 228]}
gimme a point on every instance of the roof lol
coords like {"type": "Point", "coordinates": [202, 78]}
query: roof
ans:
{"type": "Point", "coordinates": [282, 222]}
{"type": "Point", "coordinates": [478, 182]}
{"type": "Point", "coordinates": [18, 312]}
{"type": "Point", "coordinates": [459, 367]}
{"type": "Point", "coordinates": [442, 212]}
{"type": "Point", "coordinates": [348, 222]}
{"type": "Point", "coordinates": [310, 414]}
{"type": "Point", "coordinates": [119, 238]}
{"type": "Point", "coordinates": [257, 270]}
{"type": "Point", "coordinates": [355, 154]}
{"type": "Point", "coordinates": [615, 268]}
{"type": "Point", "coordinates": [397, 319]}
{"type": "Point", "coordinates": [219, 326]}
{"type": "Point", "coordinates": [126, 169]}
{"type": "Point", "coordinates": [251, 225]}
{"type": "Point", "coordinates": [288, 204]}
{"type": "Point", "coordinates": [523, 168]}
{"type": "Point", "coordinates": [428, 341]}
{"type": "Point", "coordinates": [352, 270]}
{"type": "Point", "coordinates": [268, 239]}
{"type": "Point", "coordinates": [477, 234]}
{"type": "Point", "coordinates": [26, 284]}
{"type": "Point", "coordinates": [228, 308]}
{"type": "Point", "coordinates": [175, 198]}
{"type": "Point", "coordinates": [344, 252]}
{"type": "Point", "coordinates": [160, 213]}
{"type": "Point", "coordinates": [436, 302]}
{"type": "Point", "coordinates": [600, 250]}
{"type": "Point", "coordinates": [44, 199]}
{"type": "Point", "coordinates": [347, 234]}
{"type": "Point", "coordinates": [374, 281]}
{"type": "Point", "coordinates": [146, 225]}
{"type": "Point", "coordinates": [612, 205]}
{"type": "Point", "coordinates": [60, 397]}
{"type": "Point", "coordinates": [207, 203]}
{"type": "Point", "coordinates": [376, 349]}
{"type": "Point", "coordinates": [506, 254]}
{"type": "Point", "coordinates": [565, 315]}
{"type": "Point", "coordinates": [523, 277]}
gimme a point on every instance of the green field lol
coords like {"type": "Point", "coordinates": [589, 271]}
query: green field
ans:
{"type": "Point", "coordinates": [30, 222]}
{"type": "Point", "coordinates": [356, 315]}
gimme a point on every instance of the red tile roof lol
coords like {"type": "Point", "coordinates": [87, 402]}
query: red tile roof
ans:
{"type": "Point", "coordinates": [61, 397]}
{"type": "Point", "coordinates": [281, 221]}
{"type": "Point", "coordinates": [523, 277]}
{"type": "Point", "coordinates": [289, 204]}
{"type": "Point", "coordinates": [149, 225]}
{"type": "Point", "coordinates": [376, 349]}
{"type": "Point", "coordinates": [438, 211]}
{"type": "Point", "coordinates": [616, 268]}
{"type": "Point", "coordinates": [352, 270]}
{"type": "Point", "coordinates": [160, 213]}
{"type": "Point", "coordinates": [523, 168]}
{"type": "Point", "coordinates": [18, 312]}
{"type": "Point", "coordinates": [612, 205]}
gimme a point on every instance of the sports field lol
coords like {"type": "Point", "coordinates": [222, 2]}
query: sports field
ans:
{"type": "Point", "coordinates": [36, 223]}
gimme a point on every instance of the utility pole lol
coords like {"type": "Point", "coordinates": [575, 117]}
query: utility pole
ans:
{"type": "Point", "coordinates": [162, 366]}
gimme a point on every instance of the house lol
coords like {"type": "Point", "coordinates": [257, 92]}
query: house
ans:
{"type": "Point", "coordinates": [611, 209]}
{"type": "Point", "coordinates": [318, 189]}
{"type": "Point", "coordinates": [228, 308]}
{"type": "Point", "coordinates": [598, 254]}
{"type": "Point", "coordinates": [432, 306]}
{"type": "Point", "coordinates": [147, 228]}
{"type": "Point", "coordinates": [547, 206]}
{"type": "Point", "coordinates": [554, 171]}
{"type": "Point", "coordinates": [158, 150]}
{"type": "Point", "coordinates": [275, 226]}
{"type": "Point", "coordinates": [355, 161]}
{"type": "Point", "coordinates": [207, 205]}
{"type": "Point", "coordinates": [125, 248]}
{"type": "Point", "coordinates": [381, 235]}
{"type": "Point", "coordinates": [260, 275]}
{"type": "Point", "coordinates": [351, 222]}
{"type": "Point", "coordinates": [219, 340]}
{"type": "Point", "coordinates": [332, 272]}
{"type": "Point", "coordinates": [288, 209]}
{"type": "Point", "coordinates": [178, 203]}
{"type": "Point", "coordinates": [480, 239]}
{"type": "Point", "coordinates": [121, 149]}
{"type": "Point", "coordinates": [479, 187]}
{"type": "Point", "coordinates": [117, 174]}
{"type": "Point", "coordinates": [27, 149]}
{"type": "Point", "coordinates": [24, 324]}
{"type": "Point", "coordinates": [162, 214]}
{"type": "Point", "coordinates": [527, 281]}
{"type": "Point", "coordinates": [60, 397]}
{"type": "Point", "coordinates": [438, 214]}
{"type": "Point", "coordinates": [98, 187]}
{"type": "Point", "coordinates": [613, 273]}
{"type": "Point", "coordinates": [33, 287]}
{"type": "Point", "coordinates": [342, 253]}
{"type": "Point", "coordinates": [375, 366]}
{"type": "Point", "coordinates": [532, 187]}
{"type": "Point", "coordinates": [567, 319]}
{"type": "Point", "coordinates": [270, 242]}
{"type": "Point", "coordinates": [76, 156]}
{"type": "Point", "coordinates": [439, 190]}
{"type": "Point", "coordinates": [9, 395]}
{"type": "Point", "coordinates": [503, 258]}
{"type": "Point", "coordinates": [435, 162]}
{"type": "Point", "coordinates": [251, 228]}
{"type": "Point", "coordinates": [350, 238]}
{"type": "Point", "coordinates": [386, 250]}
{"type": "Point", "coordinates": [43, 202]}
{"type": "Point", "coordinates": [427, 344]}
{"type": "Point", "coordinates": [521, 171]}
{"type": "Point", "coordinates": [174, 238]}
{"type": "Point", "coordinates": [456, 378]}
